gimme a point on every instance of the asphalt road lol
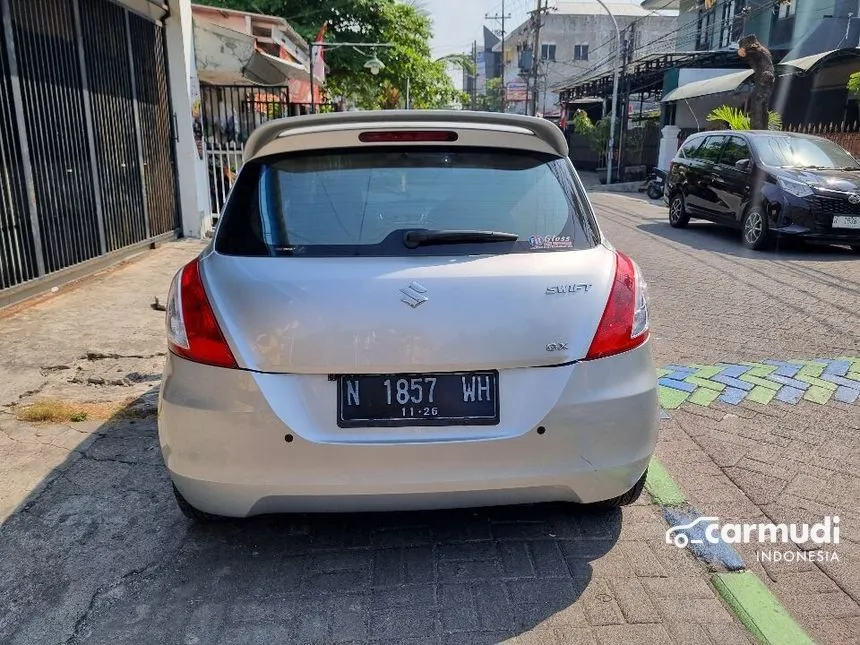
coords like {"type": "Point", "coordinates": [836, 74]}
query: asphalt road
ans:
{"type": "Point", "coordinates": [93, 549]}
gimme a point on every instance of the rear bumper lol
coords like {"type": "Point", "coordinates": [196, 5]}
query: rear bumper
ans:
{"type": "Point", "coordinates": [224, 446]}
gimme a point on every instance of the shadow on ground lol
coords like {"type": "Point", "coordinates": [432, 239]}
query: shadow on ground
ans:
{"type": "Point", "coordinates": [708, 236]}
{"type": "Point", "coordinates": [101, 554]}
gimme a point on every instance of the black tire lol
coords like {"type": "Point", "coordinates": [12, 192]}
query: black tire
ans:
{"type": "Point", "coordinates": [755, 234]}
{"type": "Point", "coordinates": [654, 192]}
{"type": "Point", "coordinates": [194, 513]}
{"type": "Point", "coordinates": [627, 498]}
{"type": "Point", "coordinates": [678, 216]}
{"type": "Point", "coordinates": [856, 248]}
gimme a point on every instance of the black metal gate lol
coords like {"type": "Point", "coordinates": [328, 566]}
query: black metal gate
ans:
{"type": "Point", "coordinates": [230, 113]}
{"type": "Point", "coordinates": [86, 142]}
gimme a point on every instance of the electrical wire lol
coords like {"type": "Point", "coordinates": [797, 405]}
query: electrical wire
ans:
{"type": "Point", "coordinates": [691, 27]}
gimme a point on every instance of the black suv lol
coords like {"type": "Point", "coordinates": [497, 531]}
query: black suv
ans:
{"type": "Point", "coordinates": [768, 184]}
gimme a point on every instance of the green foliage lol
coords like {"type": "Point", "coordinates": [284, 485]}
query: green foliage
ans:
{"type": "Point", "coordinates": [735, 119]}
{"type": "Point", "coordinates": [854, 84]}
{"type": "Point", "coordinates": [463, 61]}
{"type": "Point", "coordinates": [597, 133]}
{"type": "Point", "coordinates": [407, 26]}
{"type": "Point", "coordinates": [491, 99]}
{"type": "Point", "coordinates": [774, 120]}
{"type": "Point", "coordinates": [580, 123]}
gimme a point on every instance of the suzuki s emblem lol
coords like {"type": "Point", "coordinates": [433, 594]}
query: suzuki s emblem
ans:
{"type": "Point", "coordinates": [854, 198]}
{"type": "Point", "coordinates": [413, 295]}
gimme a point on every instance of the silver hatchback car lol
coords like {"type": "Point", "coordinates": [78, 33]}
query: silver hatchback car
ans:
{"type": "Point", "coordinates": [406, 310]}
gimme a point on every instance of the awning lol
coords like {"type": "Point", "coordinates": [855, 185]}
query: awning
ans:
{"type": "Point", "coordinates": [806, 63]}
{"type": "Point", "coordinates": [661, 5]}
{"type": "Point", "coordinates": [266, 69]}
{"type": "Point", "coordinates": [716, 85]}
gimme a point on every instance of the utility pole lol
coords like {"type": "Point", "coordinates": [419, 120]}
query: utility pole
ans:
{"type": "Point", "coordinates": [615, 65]}
{"type": "Point", "coordinates": [537, 16]}
{"type": "Point", "coordinates": [501, 18]}
{"type": "Point", "coordinates": [474, 75]}
{"type": "Point", "coordinates": [627, 58]}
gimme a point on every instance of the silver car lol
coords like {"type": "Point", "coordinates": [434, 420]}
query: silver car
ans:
{"type": "Point", "coordinates": [406, 310]}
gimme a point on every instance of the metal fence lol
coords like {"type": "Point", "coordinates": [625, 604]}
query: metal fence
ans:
{"type": "Point", "coordinates": [86, 154]}
{"type": "Point", "coordinates": [230, 113]}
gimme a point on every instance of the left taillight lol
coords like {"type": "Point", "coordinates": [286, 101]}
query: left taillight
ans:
{"type": "Point", "coordinates": [192, 329]}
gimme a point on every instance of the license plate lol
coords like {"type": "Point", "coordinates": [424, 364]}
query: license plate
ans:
{"type": "Point", "coordinates": [451, 398]}
{"type": "Point", "coordinates": [846, 221]}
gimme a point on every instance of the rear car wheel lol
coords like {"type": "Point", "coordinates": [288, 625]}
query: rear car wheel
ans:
{"type": "Point", "coordinates": [754, 232]}
{"type": "Point", "coordinates": [678, 217]}
{"type": "Point", "coordinates": [627, 498]}
{"type": "Point", "coordinates": [194, 513]}
{"type": "Point", "coordinates": [654, 192]}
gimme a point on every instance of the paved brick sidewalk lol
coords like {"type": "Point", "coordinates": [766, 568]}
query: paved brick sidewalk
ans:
{"type": "Point", "coordinates": [757, 450]}
{"type": "Point", "coordinates": [97, 551]}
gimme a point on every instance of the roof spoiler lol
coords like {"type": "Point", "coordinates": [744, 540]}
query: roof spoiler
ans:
{"type": "Point", "coordinates": [546, 131]}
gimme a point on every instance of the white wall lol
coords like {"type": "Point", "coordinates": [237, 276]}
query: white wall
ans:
{"type": "Point", "coordinates": [193, 184]}
{"type": "Point", "coordinates": [691, 113]}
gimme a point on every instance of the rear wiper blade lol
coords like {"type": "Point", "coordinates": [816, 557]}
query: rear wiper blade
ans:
{"type": "Point", "coordinates": [414, 239]}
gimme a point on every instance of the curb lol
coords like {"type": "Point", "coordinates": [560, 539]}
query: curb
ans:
{"type": "Point", "coordinates": [758, 609]}
{"type": "Point", "coordinates": [622, 187]}
{"type": "Point", "coordinates": [747, 597]}
{"type": "Point", "coordinates": [661, 487]}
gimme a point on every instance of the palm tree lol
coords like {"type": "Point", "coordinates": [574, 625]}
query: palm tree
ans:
{"type": "Point", "coordinates": [463, 61]}
{"type": "Point", "coordinates": [735, 119]}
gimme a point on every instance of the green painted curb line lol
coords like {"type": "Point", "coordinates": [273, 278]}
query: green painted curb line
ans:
{"type": "Point", "coordinates": [661, 487]}
{"type": "Point", "coordinates": [758, 609]}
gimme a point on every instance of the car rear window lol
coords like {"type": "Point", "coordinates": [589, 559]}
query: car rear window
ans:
{"type": "Point", "coordinates": [362, 202]}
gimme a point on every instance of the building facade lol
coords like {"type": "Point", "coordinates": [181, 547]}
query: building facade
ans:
{"type": "Point", "coordinates": [815, 45]}
{"type": "Point", "coordinates": [577, 39]}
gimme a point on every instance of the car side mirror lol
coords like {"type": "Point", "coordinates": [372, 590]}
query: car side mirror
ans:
{"type": "Point", "coordinates": [743, 165]}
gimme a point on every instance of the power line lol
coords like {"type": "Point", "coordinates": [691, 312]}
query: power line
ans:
{"type": "Point", "coordinates": [691, 27]}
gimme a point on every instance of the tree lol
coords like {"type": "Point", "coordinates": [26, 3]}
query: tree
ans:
{"type": "Point", "coordinates": [407, 26]}
{"type": "Point", "coordinates": [491, 99]}
{"type": "Point", "coordinates": [758, 57]}
{"type": "Point", "coordinates": [737, 120]}
{"type": "Point", "coordinates": [854, 84]}
{"type": "Point", "coordinates": [597, 134]}
{"type": "Point", "coordinates": [463, 61]}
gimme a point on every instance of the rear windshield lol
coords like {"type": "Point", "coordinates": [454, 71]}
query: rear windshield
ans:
{"type": "Point", "coordinates": [364, 202]}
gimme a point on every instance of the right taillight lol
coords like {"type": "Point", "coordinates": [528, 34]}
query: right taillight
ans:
{"type": "Point", "coordinates": [192, 329]}
{"type": "Point", "coordinates": [625, 323]}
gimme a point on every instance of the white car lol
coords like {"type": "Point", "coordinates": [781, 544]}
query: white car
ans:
{"type": "Point", "coordinates": [406, 310]}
